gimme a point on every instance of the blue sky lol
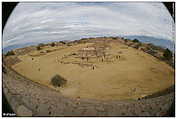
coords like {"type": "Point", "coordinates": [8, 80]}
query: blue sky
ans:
{"type": "Point", "coordinates": [44, 22]}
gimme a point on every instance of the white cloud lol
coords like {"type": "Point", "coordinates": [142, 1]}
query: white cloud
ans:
{"type": "Point", "coordinates": [41, 22]}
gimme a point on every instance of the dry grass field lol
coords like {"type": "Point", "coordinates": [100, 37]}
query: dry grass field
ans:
{"type": "Point", "coordinates": [104, 71]}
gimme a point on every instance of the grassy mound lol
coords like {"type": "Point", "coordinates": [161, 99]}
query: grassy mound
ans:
{"type": "Point", "coordinates": [58, 81]}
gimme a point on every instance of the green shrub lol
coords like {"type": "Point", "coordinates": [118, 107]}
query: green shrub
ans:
{"type": "Point", "coordinates": [10, 53]}
{"type": "Point", "coordinates": [62, 42]}
{"type": "Point", "coordinates": [58, 81]}
{"type": "Point", "coordinates": [38, 47]}
{"type": "Point", "coordinates": [84, 38]}
{"type": "Point", "coordinates": [167, 54]}
{"type": "Point", "coordinates": [52, 44]}
{"type": "Point", "coordinates": [125, 40]}
{"type": "Point", "coordinates": [41, 45]}
{"type": "Point", "coordinates": [42, 52]}
{"type": "Point", "coordinates": [136, 41]}
{"type": "Point", "coordinates": [114, 38]}
{"type": "Point", "coordinates": [73, 54]}
{"type": "Point", "coordinates": [4, 69]}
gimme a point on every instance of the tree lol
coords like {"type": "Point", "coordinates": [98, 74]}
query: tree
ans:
{"type": "Point", "coordinates": [62, 42]}
{"type": "Point", "coordinates": [41, 45]}
{"type": "Point", "coordinates": [58, 81]}
{"type": "Point", "coordinates": [53, 44]}
{"type": "Point", "coordinates": [167, 54]}
{"type": "Point", "coordinates": [10, 53]}
{"type": "Point", "coordinates": [38, 47]}
{"type": "Point", "coordinates": [4, 69]}
{"type": "Point", "coordinates": [114, 38]}
{"type": "Point", "coordinates": [136, 41]}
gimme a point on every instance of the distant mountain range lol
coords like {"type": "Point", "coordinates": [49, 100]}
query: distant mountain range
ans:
{"type": "Point", "coordinates": [156, 41]}
{"type": "Point", "coordinates": [145, 39]}
{"type": "Point", "coordinates": [11, 47]}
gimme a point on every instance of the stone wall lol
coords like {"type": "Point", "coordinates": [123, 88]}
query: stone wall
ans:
{"type": "Point", "coordinates": [28, 98]}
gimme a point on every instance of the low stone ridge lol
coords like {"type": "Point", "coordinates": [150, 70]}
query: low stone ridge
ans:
{"type": "Point", "coordinates": [11, 60]}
